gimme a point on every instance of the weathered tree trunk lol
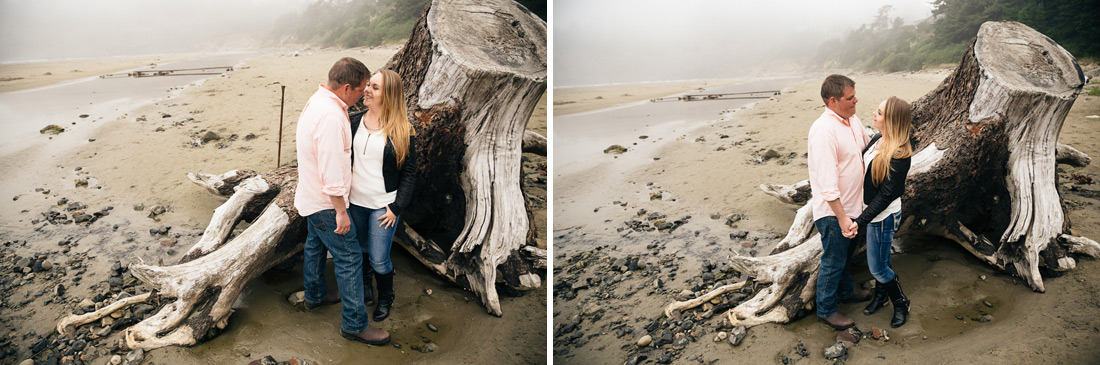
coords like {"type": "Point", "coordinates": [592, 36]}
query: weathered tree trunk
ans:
{"type": "Point", "coordinates": [984, 175]}
{"type": "Point", "coordinates": [473, 73]}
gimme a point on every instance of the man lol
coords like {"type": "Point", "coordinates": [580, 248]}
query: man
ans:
{"type": "Point", "coordinates": [835, 162]}
{"type": "Point", "coordinates": [324, 180]}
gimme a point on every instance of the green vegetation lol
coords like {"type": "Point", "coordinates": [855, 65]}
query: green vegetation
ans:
{"type": "Point", "coordinates": [890, 45]}
{"type": "Point", "coordinates": [355, 23]}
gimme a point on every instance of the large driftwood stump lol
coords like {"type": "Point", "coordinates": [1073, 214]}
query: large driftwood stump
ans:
{"type": "Point", "coordinates": [473, 75]}
{"type": "Point", "coordinates": [983, 175]}
{"type": "Point", "coordinates": [474, 71]}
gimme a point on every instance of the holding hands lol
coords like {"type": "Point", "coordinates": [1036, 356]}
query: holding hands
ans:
{"type": "Point", "coordinates": [850, 229]}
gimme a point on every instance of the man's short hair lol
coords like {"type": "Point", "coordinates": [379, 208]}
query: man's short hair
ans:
{"type": "Point", "coordinates": [347, 71]}
{"type": "Point", "coordinates": [833, 87]}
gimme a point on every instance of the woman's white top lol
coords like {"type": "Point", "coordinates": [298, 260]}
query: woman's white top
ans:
{"type": "Point", "coordinates": [368, 187]}
{"type": "Point", "coordinates": [894, 207]}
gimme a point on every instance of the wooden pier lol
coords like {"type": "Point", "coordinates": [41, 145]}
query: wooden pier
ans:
{"type": "Point", "coordinates": [216, 70]}
{"type": "Point", "coordinates": [721, 96]}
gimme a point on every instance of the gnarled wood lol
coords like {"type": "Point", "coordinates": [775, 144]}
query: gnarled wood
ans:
{"type": "Point", "coordinates": [984, 174]}
{"type": "Point", "coordinates": [474, 71]}
{"type": "Point", "coordinates": [534, 143]}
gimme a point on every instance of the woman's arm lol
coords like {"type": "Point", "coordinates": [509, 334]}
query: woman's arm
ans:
{"type": "Point", "coordinates": [408, 180]}
{"type": "Point", "coordinates": [890, 189]}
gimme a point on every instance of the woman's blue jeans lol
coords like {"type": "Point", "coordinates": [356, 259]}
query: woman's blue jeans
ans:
{"type": "Point", "coordinates": [347, 257]}
{"type": "Point", "coordinates": [880, 237]}
{"type": "Point", "coordinates": [375, 241]}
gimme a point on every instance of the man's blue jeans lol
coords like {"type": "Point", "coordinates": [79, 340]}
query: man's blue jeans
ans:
{"type": "Point", "coordinates": [347, 258]}
{"type": "Point", "coordinates": [880, 236]}
{"type": "Point", "coordinates": [374, 240]}
{"type": "Point", "coordinates": [834, 279]}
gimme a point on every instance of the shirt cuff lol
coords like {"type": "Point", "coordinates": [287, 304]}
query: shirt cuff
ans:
{"type": "Point", "coordinates": [335, 190]}
{"type": "Point", "coordinates": [830, 195]}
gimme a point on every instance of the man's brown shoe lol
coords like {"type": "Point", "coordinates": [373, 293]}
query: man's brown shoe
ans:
{"type": "Point", "coordinates": [838, 322]}
{"type": "Point", "coordinates": [370, 336]}
{"type": "Point", "coordinates": [859, 295]}
{"type": "Point", "coordinates": [330, 298]}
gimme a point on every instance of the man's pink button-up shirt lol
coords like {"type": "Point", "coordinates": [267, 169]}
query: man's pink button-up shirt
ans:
{"type": "Point", "coordinates": [324, 153]}
{"type": "Point", "coordinates": [836, 163]}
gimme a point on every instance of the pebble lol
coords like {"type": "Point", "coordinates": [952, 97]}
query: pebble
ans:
{"type": "Point", "coordinates": [721, 336]}
{"type": "Point", "coordinates": [432, 328]}
{"type": "Point", "coordinates": [835, 350]}
{"type": "Point", "coordinates": [210, 136]}
{"type": "Point", "coordinates": [135, 357]}
{"type": "Point", "coordinates": [27, 362]}
{"type": "Point", "coordinates": [103, 333]}
{"type": "Point", "coordinates": [86, 303]}
{"type": "Point", "coordinates": [429, 347]}
{"type": "Point", "coordinates": [987, 303]}
{"type": "Point", "coordinates": [645, 341]}
{"type": "Point", "coordinates": [737, 335]}
{"type": "Point", "coordinates": [115, 360]}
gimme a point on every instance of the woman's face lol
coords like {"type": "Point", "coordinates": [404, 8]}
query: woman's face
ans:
{"type": "Point", "coordinates": [879, 119]}
{"type": "Point", "coordinates": [373, 96]}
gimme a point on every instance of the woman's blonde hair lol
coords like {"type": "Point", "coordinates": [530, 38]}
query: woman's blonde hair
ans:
{"type": "Point", "coordinates": [394, 117]}
{"type": "Point", "coordinates": [897, 121]}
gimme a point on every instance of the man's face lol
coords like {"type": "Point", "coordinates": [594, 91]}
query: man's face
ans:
{"type": "Point", "coordinates": [845, 107]}
{"type": "Point", "coordinates": [350, 94]}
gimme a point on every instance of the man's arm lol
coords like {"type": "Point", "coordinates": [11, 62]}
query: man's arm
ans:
{"type": "Point", "coordinates": [332, 162]}
{"type": "Point", "coordinates": [343, 223]}
{"type": "Point", "coordinates": [825, 176]}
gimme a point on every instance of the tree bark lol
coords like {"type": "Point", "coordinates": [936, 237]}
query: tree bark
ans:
{"type": "Point", "coordinates": [983, 175]}
{"type": "Point", "coordinates": [474, 71]}
{"type": "Point", "coordinates": [473, 74]}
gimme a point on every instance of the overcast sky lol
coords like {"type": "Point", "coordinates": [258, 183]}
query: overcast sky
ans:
{"type": "Point", "coordinates": [622, 41]}
{"type": "Point", "coordinates": [59, 29]}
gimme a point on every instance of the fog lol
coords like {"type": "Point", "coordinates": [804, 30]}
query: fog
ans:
{"type": "Point", "coordinates": [58, 29]}
{"type": "Point", "coordinates": [624, 41]}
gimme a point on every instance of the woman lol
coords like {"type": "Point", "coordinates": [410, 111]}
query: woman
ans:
{"type": "Point", "coordinates": [887, 159]}
{"type": "Point", "coordinates": [383, 175]}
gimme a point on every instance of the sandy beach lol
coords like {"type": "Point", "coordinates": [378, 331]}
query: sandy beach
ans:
{"type": "Point", "coordinates": [704, 179]}
{"type": "Point", "coordinates": [134, 161]}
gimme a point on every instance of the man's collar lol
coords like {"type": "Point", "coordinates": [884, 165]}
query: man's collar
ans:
{"type": "Point", "coordinates": [330, 94]}
{"type": "Point", "coordinates": [837, 116]}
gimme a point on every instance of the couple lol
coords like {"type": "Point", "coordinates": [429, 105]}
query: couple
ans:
{"type": "Point", "coordinates": [355, 177]}
{"type": "Point", "coordinates": [857, 184]}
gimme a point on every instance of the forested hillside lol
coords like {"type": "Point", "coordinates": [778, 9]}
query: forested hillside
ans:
{"type": "Point", "coordinates": [355, 23]}
{"type": "Point", "coordinates": [888, 44]}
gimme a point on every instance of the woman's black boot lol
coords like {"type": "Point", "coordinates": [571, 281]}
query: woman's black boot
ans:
{"type": "Point", "coordinates": [368, 279]}
{"type": "Point", "coordinates": [879, 300]}
{"type": "Point", "coordinates": [385, 296]}
{"type": "Point", "coordinates": [901, 303]}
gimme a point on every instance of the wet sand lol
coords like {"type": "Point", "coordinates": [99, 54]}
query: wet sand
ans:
{"type": "Point", "coordinates": [28, 75]}
{"type": "Point", "coordinates": [141, 158]}
{"type": "Point", "coordinates": [702, 179]}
